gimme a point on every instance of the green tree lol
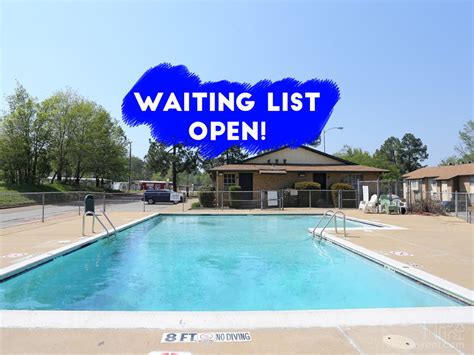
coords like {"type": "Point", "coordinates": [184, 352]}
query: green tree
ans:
{"type": "Point", "coordinates": [451, 160]}
{"type": "Point", "coordinates": [59, 109]}
{"type": "Point", "coordinates": [139, 171]}
{"type": "Point", "coordinates": [177, 159]}
{"type": "Point", "coordinates": [378, 160]}
{"type": "Point", "coordinates": [412, 152]}
{"type": "Point", "coordinates": [466, 146]}
{"type": "Point", "coordinates": [356, 155]}
{"type": "Point", "coordinates": [24, 138]}
{"type": "Point", "coordinates": [109, 160]}
{"type": "Point", "coordinates": [390, 150]}
{"type": "Point", "coordinates": [82, 146]}
{"type": "Point", "coordinates": [233, 155]}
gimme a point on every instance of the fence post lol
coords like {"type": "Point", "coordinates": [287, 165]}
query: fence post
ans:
{"type": "Point", "coordinates": [339, 199]}
{"type": "Point", "coordinates": [358, 194]}
{"type": "Point", "coordinates": [456, 202]}
{"type": "Point", "coordinates": [261, 200]}
{"type": "Point", "coordinates": [378, 187]}
{"type": "Point", "coordinates": [42, 210]}
{"type": "Point", "coordinates": [309, 198]}
{"type": "Point", "coordinates": [281, 199]}
{"type": "Point", "coordinates": [467, 212]}
{"type": "Point", "coordinates": [104, 201]}
{"type": "Point", "coordinates": [79, 200]}
{"type": "Point", "coordinates": [143, 202]}
{"type": "Point", "coordinates": [222, 200]}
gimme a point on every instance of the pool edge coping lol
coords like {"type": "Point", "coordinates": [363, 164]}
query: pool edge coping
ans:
{"type": "Point", "coordinates": [235, 319]}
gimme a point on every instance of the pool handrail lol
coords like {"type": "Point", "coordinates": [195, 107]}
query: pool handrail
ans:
{"type": "Point", "coordinates": [333, 216]}
{"type": "Point", "coordinates": [96, 216]}
{"type": "Point", "coordinates": [324, 215]}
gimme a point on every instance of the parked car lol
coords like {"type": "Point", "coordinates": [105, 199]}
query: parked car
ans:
{"type": "Point", "coordinates": [153, 196]}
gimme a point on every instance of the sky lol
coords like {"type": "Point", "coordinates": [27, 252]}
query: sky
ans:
{"type": "Point", "coordinates": [402, 66]}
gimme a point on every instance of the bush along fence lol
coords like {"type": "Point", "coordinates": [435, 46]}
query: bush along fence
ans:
{"type": "Point", "coordinates": [459, 204]}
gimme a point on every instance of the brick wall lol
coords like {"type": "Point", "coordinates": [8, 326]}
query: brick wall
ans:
{"type": "Point", "coordinates": [282, 181]}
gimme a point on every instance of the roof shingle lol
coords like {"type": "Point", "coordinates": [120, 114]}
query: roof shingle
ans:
{"type": "Point", "coordinates": [441, 172]}
{"type": "Point", "coordinates": [302, 168]}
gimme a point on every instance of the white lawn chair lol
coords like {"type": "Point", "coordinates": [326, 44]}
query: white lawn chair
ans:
{"type": "Point", "coordinates": [370, 206]}
{"type": "Point", "coordinates": [365, 199]}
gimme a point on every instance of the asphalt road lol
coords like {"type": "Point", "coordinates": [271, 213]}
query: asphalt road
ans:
{"type": "Point", "coordinates": [21, 215]}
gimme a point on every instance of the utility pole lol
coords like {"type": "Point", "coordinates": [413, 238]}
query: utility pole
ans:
{"type": "Point", "coordinates": [129, 165]}
{"type": "Point", "coordinates": [324, 136]}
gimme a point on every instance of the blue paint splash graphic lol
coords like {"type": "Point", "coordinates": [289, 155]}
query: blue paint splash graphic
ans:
{"type": "Point", "coordinates": [283, 128]}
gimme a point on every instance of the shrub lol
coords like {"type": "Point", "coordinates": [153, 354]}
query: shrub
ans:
{"type": "Point", "coordinates": [428, 205]}
{"type": "Point", "coordinates": [303, 197]}
{"type": "Point", "coordinates": [195, 204]}
{"type": "Point", "coordinates": [307, 185]}
{"type": "Point", "coordinates": [334, 191]}
{"type": "Point", "coordinates": [234, 195]}
{"type": "Point", "coordinates": [207, 196]}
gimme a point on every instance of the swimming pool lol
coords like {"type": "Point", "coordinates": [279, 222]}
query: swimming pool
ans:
{"type": "Point", "coordinates": [215, 263]}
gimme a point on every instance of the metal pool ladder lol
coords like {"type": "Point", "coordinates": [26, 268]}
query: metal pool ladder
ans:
{"type": "Point", "coordinates": [89, 210]}
{"type": "Point", "coordinates": [96, 216]}
{"type": "Point", "coordinates": [333, 216]}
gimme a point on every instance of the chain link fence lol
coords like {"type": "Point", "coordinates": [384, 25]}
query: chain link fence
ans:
{"type": "Point", "coordinates": [458, 204]}
{"type": "Point", "coordinates": [278, 199]}
{"type": "Point", "coordinates": [18, 208]}
{"type": "Point", "coordinates": [379, 187]}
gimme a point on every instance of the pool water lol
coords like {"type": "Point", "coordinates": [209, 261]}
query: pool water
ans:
{"type": "Point", "coordinates": [214, 263]}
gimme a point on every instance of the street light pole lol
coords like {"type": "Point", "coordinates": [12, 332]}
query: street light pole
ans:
{"type": "Point", "coordinates": [324, 136]}
{"type": "Point", "coordinates": [129, 165]}
{"type": "Point", "coordinates": [324, 141]}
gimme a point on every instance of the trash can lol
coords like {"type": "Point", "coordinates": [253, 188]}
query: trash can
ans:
{"type": "Point", "coordinates": [89, 205]}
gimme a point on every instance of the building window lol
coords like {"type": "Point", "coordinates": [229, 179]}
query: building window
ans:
{"type": "Point", "coordinates": [229, 180]}
{"type": "Point", "coordinates": [351, 179]}
{"type": "Point", "coordinates": [433, 188]}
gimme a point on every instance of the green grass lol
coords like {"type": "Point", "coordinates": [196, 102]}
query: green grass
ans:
{"type": "Point", "coordinates": [13, 195]}
{"type": "Point", "coordinates": [55, 187]}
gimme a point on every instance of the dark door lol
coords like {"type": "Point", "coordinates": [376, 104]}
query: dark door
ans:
{"type": "Point", "coordinates": [320, 178]}
{"type": "Point", "coordinates": [246, 184]}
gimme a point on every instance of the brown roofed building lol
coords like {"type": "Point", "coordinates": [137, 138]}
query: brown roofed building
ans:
{"type": "Point", "coordinates": [440, 182]}
{"type": "Point", "coordinates": [281, 168]}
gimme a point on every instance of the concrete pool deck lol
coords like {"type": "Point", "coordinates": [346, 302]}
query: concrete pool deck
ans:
{"type": "Point", "coordinates": [439, 245]}
{"type": "Point", "coordinates": [430, 339]}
